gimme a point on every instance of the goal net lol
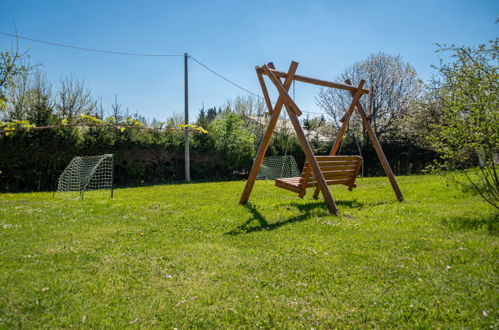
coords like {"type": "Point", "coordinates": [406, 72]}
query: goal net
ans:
{"type": "Point", "coordinates": [87, 173]}
{"type": "Point", "coordinates": [275, 167]}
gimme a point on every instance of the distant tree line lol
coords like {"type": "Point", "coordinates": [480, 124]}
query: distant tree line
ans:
{"type": "Point", "coordinates": [407, 116]}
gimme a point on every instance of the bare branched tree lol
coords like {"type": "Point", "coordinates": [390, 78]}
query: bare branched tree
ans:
{"type": "Point", "coordinates": [117, 110]}
{"type": "Point", "coordinates": [246, 105]}
{"type": "Point", "coordinates": [13, 68]}
{"type": "Point", "coordinates": [30, 98]}
{"type": "Point", "coordinates": [12, 64]}
{"type": "Point", "coordinates": [253, 109]}
{"type": "Point", "coordinates": [16, 94]}
{"type": "Point", "coordinates": [395, 86]}
{"type": "Point", "coordinates": [74, 99]}
{"type": "Point", "coordinates": [39, 100]}
{"type": "Point", "coordinates": [174, 121]}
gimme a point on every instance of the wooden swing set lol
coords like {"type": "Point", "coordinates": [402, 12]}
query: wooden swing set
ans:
{"type": "Point", "coordinates": [318, 171]}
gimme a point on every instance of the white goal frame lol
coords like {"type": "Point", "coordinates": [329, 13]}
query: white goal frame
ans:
{"type": "Point", "coordinates": [85, 173]}
{"type": "Point", "coordinates": [277, 167]}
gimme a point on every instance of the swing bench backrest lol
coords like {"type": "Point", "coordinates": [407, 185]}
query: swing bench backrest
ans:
{"type": "Point", "coordinates": [335, 169]}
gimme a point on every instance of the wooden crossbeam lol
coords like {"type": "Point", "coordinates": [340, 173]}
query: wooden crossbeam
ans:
{"type": "Point", "coordinates": [320, 82]}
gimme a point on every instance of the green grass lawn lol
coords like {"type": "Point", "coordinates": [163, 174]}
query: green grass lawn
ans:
{"type": "Point", "coordinates": [191, 256]}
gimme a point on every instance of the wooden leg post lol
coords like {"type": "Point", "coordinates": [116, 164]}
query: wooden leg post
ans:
{"type": "Point", "coordinates": [292, 113]}
{"type": "Point", "coordinates": [268, 134]}
{"type": "Point", "coordinates": [321, 182]}
{"type": "Point", "coordinates": [380, 153]}
{"type": "Point", "coordinates": [346, 119]}
{"type": "Point", "coordinates": [374, 141]}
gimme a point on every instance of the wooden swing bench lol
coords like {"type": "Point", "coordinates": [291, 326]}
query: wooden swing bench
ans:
{"type": "Point", "coordinates": [318, 171]}
{"type": "Point", "coordinates": [335, 170]}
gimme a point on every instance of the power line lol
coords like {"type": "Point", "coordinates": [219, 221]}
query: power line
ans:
{"type": "Point", "coordinates": [88, 49]}
{"type": "Point", "coordinates": [315, 113]}
{"type": "Point", "coordinates": [244, 89]}
{"type": "Point", "coordinates": [129, 54]}
{"type": "Point", "coordinates": [142, 54]}
{"type": "Point", "coordinates": [226, 79]}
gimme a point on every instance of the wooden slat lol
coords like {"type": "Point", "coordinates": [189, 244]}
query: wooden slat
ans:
{"type": "Point", "coordinates": [337, 158]}
{"type": "Point", "coordinates": [345, 182]}
{"type": "Point", "coordinates": [287, 185]}
{"type": "Point", "coordinates": [296, 179]}
{"type": "Point", "coordinates": [290, 183]}
{"type": "Point", "coordinates": [330, 182]}
{"type": "Point", "coordinates": [312, 182]}
{"type": "Point", "coordinates": [339, 168]}
{"type": "Point", "coordinates": [330, 165]}
{"type": "Point", "coordinates": [339, 163]}
{"type": "Point", "coordinates": [338, 171]}
{"type": "Point", "coordinates": [334, 175]}
{"type": "Point", "coordinates": [336, 168]}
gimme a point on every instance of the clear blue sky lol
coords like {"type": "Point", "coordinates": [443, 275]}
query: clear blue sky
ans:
{"type": "Point", "coordinates": [232, 37]}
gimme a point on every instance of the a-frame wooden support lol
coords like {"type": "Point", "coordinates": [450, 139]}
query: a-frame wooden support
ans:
{"type": "Point", "coordinates": [275, 111]}
{"type": "Point", "coordinates": [293, 113]}
{"type": "Point", "coordinates": [374, 140]}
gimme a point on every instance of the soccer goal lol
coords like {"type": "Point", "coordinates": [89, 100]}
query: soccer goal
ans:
{"type": "Point", "coordinates": [275, 167]}
{"type": "Point", "coordinates": [87, 173]}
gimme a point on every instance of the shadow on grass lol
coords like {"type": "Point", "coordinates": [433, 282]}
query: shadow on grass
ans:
{"type": "Point", "coordinates": [306, 210]}
{"type": "Point", "coordinates": [489, 223]}
{"type": "Point", "coordinates": [263, 224]}
{"type": "Point", "coordinates": [353, 204]}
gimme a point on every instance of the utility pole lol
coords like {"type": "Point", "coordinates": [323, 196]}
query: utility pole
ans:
{"type": "Point", "coordinates": [186, 120]}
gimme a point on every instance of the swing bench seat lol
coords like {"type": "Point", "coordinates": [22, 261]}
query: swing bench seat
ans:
{"type": "Point", "coordinates": [335, 169]}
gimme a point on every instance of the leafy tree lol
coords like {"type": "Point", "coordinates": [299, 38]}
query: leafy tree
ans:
{"type": "Point", "coordinates": [39, 104]}
{"type": "Point", "coordinates": [75, 100]}
{"type": "Point", "coordinates": [16, 94]}
{"type": "Point", "coordinates": [211, 114]}
{"type": "Point", "coordinates": [201, 117]}
{"type": "Point", "coordinates": [467, 134]}
{"type": "Point", "coordinates": [206, 117]}
{"type": "Point", "coordinates": [313, 126]}
{"type": "Point", "coordinates": [232, 140]}
{"type": "Point", "coordinates": [246, 105]}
